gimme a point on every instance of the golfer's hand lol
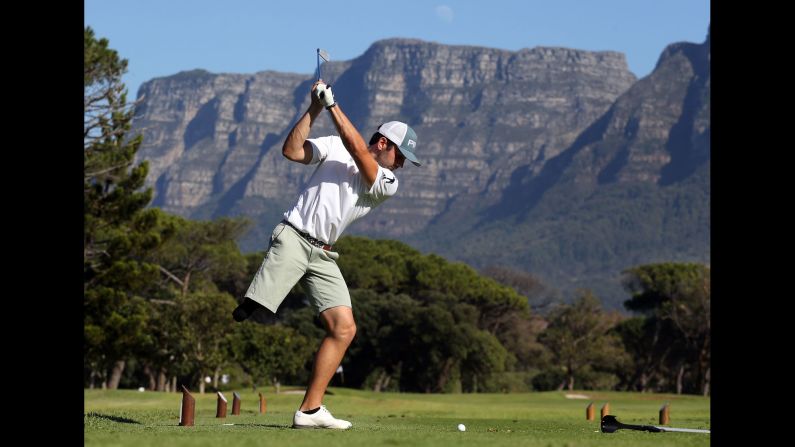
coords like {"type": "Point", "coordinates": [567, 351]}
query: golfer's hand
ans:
{"type": "Point", "coordinates": [313, 97]}
{"type": "Point", "coordinates": [324, 95]}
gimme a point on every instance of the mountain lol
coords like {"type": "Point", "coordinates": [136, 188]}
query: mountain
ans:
{"type": "Point", "coordinates": [551, 160]}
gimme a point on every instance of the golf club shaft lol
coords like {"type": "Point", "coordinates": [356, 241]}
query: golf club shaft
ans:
{"type": "Point", "coordinates": [318, 64]}
{"type": "Point", "coordinates": [685, 430]}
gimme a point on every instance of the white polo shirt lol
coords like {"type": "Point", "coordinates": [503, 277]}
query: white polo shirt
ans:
{"type": "Point", "coordinates": [335, 195]}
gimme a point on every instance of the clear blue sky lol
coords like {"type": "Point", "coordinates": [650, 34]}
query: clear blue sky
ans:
{"type": "Point", "coordinates": [163, 37]}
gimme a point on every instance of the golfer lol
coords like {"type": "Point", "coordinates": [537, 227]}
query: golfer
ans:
{"type": "Point", "coordinates": [351, 179]}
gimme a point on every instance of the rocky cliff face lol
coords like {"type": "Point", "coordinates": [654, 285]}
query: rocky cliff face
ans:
{"type": "Point", "coordinates": [632, 188]}
{"type": "Point", "coordinates": [506, 139]}
{"type": "Point", "coordinates": [213, 139]}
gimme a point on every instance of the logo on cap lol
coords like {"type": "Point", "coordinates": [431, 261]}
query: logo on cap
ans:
{"type": "Point", "coordinates": [411, 143]}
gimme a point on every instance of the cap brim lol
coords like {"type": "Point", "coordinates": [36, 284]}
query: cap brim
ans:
{"type": "Point", "coordinates": [410, 156]}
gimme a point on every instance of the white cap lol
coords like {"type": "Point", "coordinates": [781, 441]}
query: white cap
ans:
{"type": "Point", "coordinates": [403, 136]}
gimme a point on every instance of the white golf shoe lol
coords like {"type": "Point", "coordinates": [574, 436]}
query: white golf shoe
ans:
{"type": "Point", "coordinates": [321, 419]}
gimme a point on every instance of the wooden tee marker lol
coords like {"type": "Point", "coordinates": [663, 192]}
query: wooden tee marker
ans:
{"type": "Point", "coordinates": [263, 406]}
{"type": "Point", "coordinates": [665, 418]}
{"type": "Point", "coordinates": [589, 412]}
{"type": "Point", "coordinates": [235, 404]}
{"type": "Point", "coordinates": [220, 411]}
{"type": "Point", "coordinates": [605, 409]}
{"type": "Point", "coordinates": [186, 408]}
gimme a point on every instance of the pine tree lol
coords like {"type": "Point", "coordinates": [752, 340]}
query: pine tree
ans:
{"type": "Point", "coordinates": [118, 231]}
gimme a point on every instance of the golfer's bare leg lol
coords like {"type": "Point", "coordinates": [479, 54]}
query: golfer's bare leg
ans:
{"type": "Point", "coordinates": [340, 329]}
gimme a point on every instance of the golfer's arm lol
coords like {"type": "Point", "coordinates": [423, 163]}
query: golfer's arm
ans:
{"type": "Point", "coordinates": [355, 144]}
{"type": "Point", "coordinates": [295, 147]}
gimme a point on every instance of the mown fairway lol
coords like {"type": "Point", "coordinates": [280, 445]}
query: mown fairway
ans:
{"type": "Point", "coordinates": [131, 418]}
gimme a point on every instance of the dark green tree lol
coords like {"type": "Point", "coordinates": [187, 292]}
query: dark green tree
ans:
{"type": "Point", "coordinates": [474, 319]}
{"type": "Point", "coordinates": [383, 321]}
{"type": "Point", "coordinates": [118, 231]}
{"type": "Point", "coordinates": [166, 357]}
{"type": "Point", "coordinates": [270, 354]}
{"type": "Point", "coordinates": [202, 253]}
{"type": "Point", "coordinates": [580, 341]}
{"type": "Point", "coordinates": [114, 330]}
{"type": "Point", "coordinates": [441, 345]}
{"type": "Point", "coordinates": [112, 187]}
{"type": "Point", "coordinates": [206, 321]}
{"type": "Point", "coordinates": [540, 296]}
{"type": "Point", "coordinates": [675, 299]}
{"type": "Point", "coordinates": [375, 265]}
{"type": "Point", "coordinates": [648, 343]}
{"type": "Point", "coordinates": [197, 257]}
{"type": "Point", "coordinates": [690, 313]}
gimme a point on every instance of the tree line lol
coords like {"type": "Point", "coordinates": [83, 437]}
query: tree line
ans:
{"type": "Point", "coordinates": [159, 290]}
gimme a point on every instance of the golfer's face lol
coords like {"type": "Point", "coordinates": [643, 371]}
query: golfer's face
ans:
{"type": "Point", "coordinates": [398, 158]}
{"type": "Point", "coordinates": [391, 158]}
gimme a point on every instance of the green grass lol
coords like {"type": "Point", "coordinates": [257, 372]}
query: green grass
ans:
{"type": "Point", "coordinates": [131, 418]}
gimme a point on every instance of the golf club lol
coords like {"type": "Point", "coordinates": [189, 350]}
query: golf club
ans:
{"type": "Point", "coordinates": [611, 424]}
{"type": "Point", "coordinates": [321, 54]}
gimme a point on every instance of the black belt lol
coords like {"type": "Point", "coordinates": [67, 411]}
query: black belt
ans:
{"type": "Point", "coordinates": [316, 242]}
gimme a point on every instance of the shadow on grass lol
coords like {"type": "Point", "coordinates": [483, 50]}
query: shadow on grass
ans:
{"type": "Point", "coordinates": [282, 427]}
{"type": "Point", "coordinates": [112, 418]}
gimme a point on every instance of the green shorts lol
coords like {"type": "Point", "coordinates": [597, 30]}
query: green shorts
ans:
{"type": "Point", "coordinates": [289, 259]}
